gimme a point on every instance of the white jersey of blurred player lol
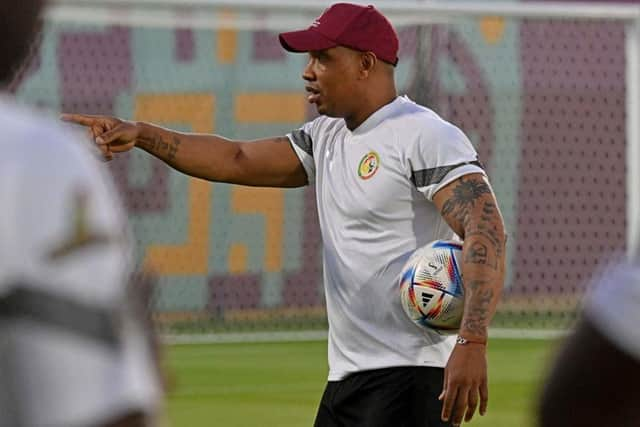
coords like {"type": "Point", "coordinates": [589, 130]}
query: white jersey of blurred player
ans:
{"type": "Point", "coordinates": [594, 378]}
{"type": "Point", "coordinates": [613, 307]}
{"type": "Point", "coordinates": [371, 186]}
{"type": "Point", "coordinates": [70, 353]}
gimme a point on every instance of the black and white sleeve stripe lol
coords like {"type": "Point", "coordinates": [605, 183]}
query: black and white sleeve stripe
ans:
{"type": "Point", "coordinates": [303, 140]}
{"type": "Point", "coordinates": [426, 177]}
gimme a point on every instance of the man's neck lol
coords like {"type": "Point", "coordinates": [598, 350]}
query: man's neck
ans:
{"type": "Point", "coordinates": [353, 122]}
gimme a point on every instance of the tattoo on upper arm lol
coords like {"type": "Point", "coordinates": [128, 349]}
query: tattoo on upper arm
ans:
{"type": "Point", "coordinates": [463, 199]}
{"type": "Point", "coordinates": [488, 210]}
{"type": "Point", "coordinates": [487, 248]}
{"type": "Point", "coordinates": [478, 253]}
{"type": "Point", "coordinates": [487, 229]}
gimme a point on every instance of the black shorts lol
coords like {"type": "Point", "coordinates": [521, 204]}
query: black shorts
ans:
{"type": "Point", "coordinates": [391, 397]}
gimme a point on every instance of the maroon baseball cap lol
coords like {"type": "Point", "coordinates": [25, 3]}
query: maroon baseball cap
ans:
{"type": "Point", "coordinates": [354, 26]}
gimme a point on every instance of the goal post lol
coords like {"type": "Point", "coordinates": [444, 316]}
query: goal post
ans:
{"type": "Point", "coordinates": [548, 92]}
{"type": "Point", "coordinates": [632, 51]}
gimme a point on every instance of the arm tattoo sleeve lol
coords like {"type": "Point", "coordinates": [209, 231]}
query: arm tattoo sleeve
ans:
{"type": "Point", "coordinates": [471, 210]}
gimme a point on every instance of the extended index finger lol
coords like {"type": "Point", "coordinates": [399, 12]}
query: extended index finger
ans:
{"type": "Point", "coordinates": [81, 119]}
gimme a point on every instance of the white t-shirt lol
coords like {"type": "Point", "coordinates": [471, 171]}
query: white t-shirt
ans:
{"type": "Point", "coordinates": [374, 187]}
{"type": "Point", "coordinates": [70, 353]}
{"type": "Point", "coordinates": [613, 306]}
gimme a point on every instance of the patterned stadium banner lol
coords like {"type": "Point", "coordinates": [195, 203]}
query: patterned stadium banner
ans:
{"type": "Point", "coordinates": [547, 115]}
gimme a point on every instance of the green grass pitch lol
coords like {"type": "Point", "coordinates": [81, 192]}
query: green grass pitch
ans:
{"type": "Point", "coordinates": [279, 384]}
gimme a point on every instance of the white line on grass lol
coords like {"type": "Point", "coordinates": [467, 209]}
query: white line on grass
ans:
{"type": "Point", "coordinates": [294, 336]}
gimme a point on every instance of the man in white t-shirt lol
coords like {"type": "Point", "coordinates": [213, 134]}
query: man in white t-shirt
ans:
{"type": "Point", "coordinates": [390, 176]}
{"type": "Point", "coordinates": [594, 378]}
{"type": "Point", "coordinates": [73, 350]}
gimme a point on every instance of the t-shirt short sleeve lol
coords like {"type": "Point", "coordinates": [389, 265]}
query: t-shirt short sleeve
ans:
{"type": "Point", "coordinates": [613, 306]}
{"type": "Point", "coordinates": [68, 356]}
{"type": "Point", "coordinates": [302, 143]}
{"type": "Point", "coordinates": [439, 155]}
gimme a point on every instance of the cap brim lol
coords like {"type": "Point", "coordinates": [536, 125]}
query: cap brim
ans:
{"type": "Point", "coordinates": [305, 41]}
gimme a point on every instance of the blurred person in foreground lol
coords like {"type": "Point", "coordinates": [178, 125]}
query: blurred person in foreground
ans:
{"type": "Point", "coordinates": [74, 349]}
{"type": "Point", "coordinates": [594, 377]}
{"type": "Point", "coordinates": [390, 176]}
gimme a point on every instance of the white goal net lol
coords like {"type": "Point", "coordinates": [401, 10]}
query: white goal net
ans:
{"type": "Point", "coordinates": [547, 93]}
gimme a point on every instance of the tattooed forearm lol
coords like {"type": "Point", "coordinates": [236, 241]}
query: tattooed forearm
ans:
{"type": "Point", "coordinates": [478, 312]}
{"type": "Point", "coordinates": [483, 267]}
{"type": "Point", "coordinates": [161, 147]}
{"type": "Point", "coordinates": [474, 285]}
{"type": "Point", "coordinates": [173, 149]}
{"type": "Point", "coordinates": [470, 208]}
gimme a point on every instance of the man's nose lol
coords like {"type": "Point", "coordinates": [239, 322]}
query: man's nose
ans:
{"type": "Point", "coordinates": [307, 73]}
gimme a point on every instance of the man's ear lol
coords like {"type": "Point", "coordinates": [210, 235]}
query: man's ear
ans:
{"type": "Point", "coordinates": [368, 61]}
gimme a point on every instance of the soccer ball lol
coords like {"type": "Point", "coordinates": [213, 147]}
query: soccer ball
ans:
{"type": "Point", "coordinates": [431, 288]}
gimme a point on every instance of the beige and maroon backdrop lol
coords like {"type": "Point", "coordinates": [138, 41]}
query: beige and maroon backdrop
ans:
{"type": "Point", "coordinates": [543, 102]}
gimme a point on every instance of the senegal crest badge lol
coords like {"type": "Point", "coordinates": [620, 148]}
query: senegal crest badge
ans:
{"type": "Point", "coordinates": [369, 165]}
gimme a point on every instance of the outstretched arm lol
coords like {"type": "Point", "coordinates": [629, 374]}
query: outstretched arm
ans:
{"type": "Point", "coordinates": [471, 210]}
{"type": "Point", "coordinates": [269, 162]}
